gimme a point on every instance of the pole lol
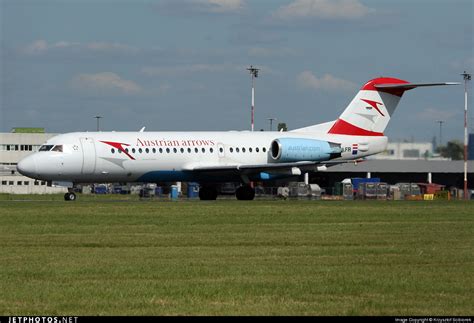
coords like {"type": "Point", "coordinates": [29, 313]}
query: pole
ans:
{"type": "Point", "coordinates": [440, 133]}
{"type": "Point", "coordinates": [467, 77]}
{"type": "Point", "coordinates": [98, 117]}
{"type": "Point", "coordinates": [254, 73]}
{"type": "Point", "coordinates": [271, 123]}
{"type": "Point", "coordinates": [253, 104]}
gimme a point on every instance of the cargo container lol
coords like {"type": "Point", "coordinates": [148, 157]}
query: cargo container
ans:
{"type": "Point", "coordinates": [193, 190]}
{"type": "Point", "coordinates": [367, 191]}
{"type": "Point", "coordinates": [357, 180]}
{"type": "Point", "coordinates": [100, 189]}
{"type": "Point", "coordinates": [146, 192]}
{"type": "Point", "coordinates": [408, 189]}
{"type": "Point", "coordinates": [343, 189]}
{"type": "Point", "coordinates": [382, 189]}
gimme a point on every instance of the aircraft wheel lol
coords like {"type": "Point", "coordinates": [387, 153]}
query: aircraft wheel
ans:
{"type": "Point", "coordinates": [69, 197]}
{"type": "Point", "coordinates": [245, 193]}
{"type": "Point", "coordinates": [207, 194]}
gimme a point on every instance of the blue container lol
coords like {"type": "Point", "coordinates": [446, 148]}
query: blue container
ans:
{"type": "Point", "coordinates": [193, 190]}
{"type": "Point", "coordinates": [174, 192]}
{"type": "Point", "coordinates": [357, 180]}
{"type": "Point", "coordinates": [158, 191]}
{"type": "Point", "coordinates": [100, 189]}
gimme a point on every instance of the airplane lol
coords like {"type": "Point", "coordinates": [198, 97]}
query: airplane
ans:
{"type": "Point", "coordinates": [210, 158]}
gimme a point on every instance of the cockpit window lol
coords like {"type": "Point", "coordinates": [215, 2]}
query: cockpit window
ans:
{"type": "Point", "coordinates": [58, 148]}
{"type": "Point", "coordinates": [46, 147]}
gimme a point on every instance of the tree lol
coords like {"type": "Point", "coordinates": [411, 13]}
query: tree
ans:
{"type": "Point", "coordinates": [454, 149]}
{"type": "Point", "coordinates": [282, 125]}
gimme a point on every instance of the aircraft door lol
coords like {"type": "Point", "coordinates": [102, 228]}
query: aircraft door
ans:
{"type": "Point", "coordinates": [220, 150]}
{"type": "Point", "coordinates": [88, 155]}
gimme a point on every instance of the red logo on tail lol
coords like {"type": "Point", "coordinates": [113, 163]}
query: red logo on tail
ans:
{"type": "Point", "coordinates": [374, 105]}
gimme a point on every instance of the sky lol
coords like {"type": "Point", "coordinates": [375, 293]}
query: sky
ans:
{"type": "Point", "coordinates": [181, 64]}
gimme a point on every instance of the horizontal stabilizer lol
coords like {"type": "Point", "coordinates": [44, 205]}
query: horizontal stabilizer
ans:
{"type": "Point", "coordinates": [409, 86]}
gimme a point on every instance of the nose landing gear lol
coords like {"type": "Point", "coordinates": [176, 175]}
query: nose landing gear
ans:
{"type": "Point", "coordinates": [70, 196]}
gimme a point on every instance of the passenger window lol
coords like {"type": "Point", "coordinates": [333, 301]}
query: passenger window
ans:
{"type": "Point", "coordinates": [189, 150]}
{"type": "Point", "coordinates": [264, 149]}
{"type": "Point", "coordinates": [250, 149]}
{"type": "Point", "coordinates": [196, 150]}
{"type": "Point", "coordinates": [161, 150]}
{"type": "Point", "coordinates": [133, 150]}
{"type": "Point", "coordinates": [257, 150]}
{"type": "Point", "coordinates": [243, 150]}
{"type": "Point", "coordinates": [175, 150]}
{"type": "Point", "coordinates": [237, 149]}
{"type": "Point", "coordinates": [126, 150]}
{"type": "Point", "coordinates": [168, 150]}
{"type": "Point", "coordinates": [140, 150]}
{"type": "Point", "coordinates": [182, 150]}
{"type": "Point", "coordinates": [221, 150]}
{"type": "Point", "coordinates": [203, 150]}
{"type": "Point", "coordinates": [154, 150]}
{"type": "Point", "coordinates": [147, 150]}
{"type": "Point", "coordinates": [231, 149]}
{"type": "Point", "coordinates": [211, 150]}
{"type": "Point", "coordinates": [112, 151]}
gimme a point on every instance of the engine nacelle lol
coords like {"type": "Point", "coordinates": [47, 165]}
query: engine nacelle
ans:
{"type": "Point", "coordinates": [302, 149]}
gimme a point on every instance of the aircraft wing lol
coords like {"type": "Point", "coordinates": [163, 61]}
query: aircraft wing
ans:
{"type": "Point", "coordinates": [277, 167]}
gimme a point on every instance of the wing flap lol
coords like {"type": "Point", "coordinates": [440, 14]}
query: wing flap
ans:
{"type": "Point", "coordinates": [306, 165]}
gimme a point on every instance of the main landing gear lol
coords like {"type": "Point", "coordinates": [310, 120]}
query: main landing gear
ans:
{"type": "Point", "coordinates": [207, 193]}
{"type": "Point", "coordinates": [245, 193]}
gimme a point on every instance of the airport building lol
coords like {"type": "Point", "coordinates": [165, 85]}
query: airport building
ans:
{"type": "Point", "coordinates": [13, 147]}
{"type": "Point", "coordinates": [408, 151]}
{"type": "Point", "coordinates": [445, 172]}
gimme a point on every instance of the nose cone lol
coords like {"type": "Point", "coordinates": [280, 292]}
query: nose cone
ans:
{"type": "Point", "coordinates": [27, 166]}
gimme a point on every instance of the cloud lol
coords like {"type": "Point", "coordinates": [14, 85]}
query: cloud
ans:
{"type": "Point", "coordinates": [269, 53]}
{"type": "Point", "coordinates": [327, 82]}
{"type": "Point", "coordinates": [115, 47]}
{"type": "Point", "coordinates": [41, 46]}
{"type": "Point", "coordinates": [36, 47]}
{"type": "Point", "coordinates": [466, 64]}
{"type": "Point", "coordinates": [434, 114]}
{"type": "Point", "coordinates": [105, 82]}
{"type": "Point", "coordinates": [219, 6]}
{"type": "Point", "coordinates": [324, 9]}
{"type": "Point", "coordinates": [188, 69]}
{"type": "Point", "coordinates": [200, 6]}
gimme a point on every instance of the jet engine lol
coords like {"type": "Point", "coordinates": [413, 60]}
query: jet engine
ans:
{"type": "Point", "coordinates": [301, 149]}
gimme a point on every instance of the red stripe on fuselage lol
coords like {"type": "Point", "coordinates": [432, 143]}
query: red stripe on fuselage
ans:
{"type": "Point", "coordinates": [342, 127]}
{"type": "Point", "coordinates": [118, 145]}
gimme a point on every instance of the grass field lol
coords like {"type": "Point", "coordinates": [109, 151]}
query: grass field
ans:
{"type": "Point", "coordinates": [112, 257]}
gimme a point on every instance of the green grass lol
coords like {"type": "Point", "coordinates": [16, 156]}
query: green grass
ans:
{"type": "Point", "coordinates": [104, 257]}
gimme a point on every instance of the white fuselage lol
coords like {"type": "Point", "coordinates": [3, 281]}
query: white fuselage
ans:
{"type": "Point", "coordinates": [85, 157]}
